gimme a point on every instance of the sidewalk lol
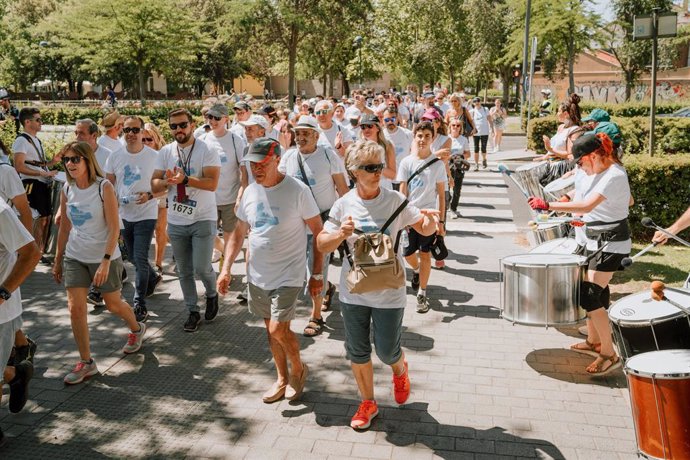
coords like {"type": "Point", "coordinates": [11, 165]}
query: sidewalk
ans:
{"type": "Point", "coordinates": [481, 387]}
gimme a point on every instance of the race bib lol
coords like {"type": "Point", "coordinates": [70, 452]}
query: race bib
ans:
{"type": "Point", "coordinates": [186, 209]}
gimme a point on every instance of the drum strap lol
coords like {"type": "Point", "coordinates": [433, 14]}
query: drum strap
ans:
{"type": "Point", "coordinates": [608, 231]}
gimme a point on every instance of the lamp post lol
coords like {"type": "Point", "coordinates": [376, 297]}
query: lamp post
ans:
{"type": "Point", "coordinates": [45, 44]}
{"type": "Point", "coordinates": [358, 45]}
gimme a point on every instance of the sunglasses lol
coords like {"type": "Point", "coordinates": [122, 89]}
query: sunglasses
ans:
{"type": "Point", "coordinates": [389, 120]}
{"type": "Point", "coordinates": [133, 130]}
{"type": "Point", "coordinates": [321, 112]}
{"type": "Point", "coordinates": [455, 126]}
{"type": "Point", "coordinates": [38, 120]}
{"type": "Point", "coordinates": [183, 125]}
{"type": "Point", "coordinates": [372, 168]}
{"type": "Point", "coordinates": [213, 117]}
{"type": "Point", "coordinates": [147, 139]}
{"type": "Point", "coordinates": [367, 126]}
{"type": "Point", "coordinates": [76, 160]}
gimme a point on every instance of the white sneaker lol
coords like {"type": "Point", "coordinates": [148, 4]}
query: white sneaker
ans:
{"type": "Point", "coordinates": [134, 340]}
{"type": "Point", "coordinates": [81, 372]}
{"type": "Point", "coordinates": [422, 304]}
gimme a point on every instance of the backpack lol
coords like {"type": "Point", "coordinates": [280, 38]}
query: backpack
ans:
{"type": "Point", "coordinates": [374, 264]}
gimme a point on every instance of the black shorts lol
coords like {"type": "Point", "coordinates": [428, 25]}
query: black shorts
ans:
{"type": "Point", "coordinates": [417, 242]}
{"type": "Point", "coordinates": [606, 261]}
{"type": "Point", "coordinates": [38, 194]}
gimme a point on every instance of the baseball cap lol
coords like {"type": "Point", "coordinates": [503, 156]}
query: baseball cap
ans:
{"type": "Point", "coordinates": [266, 110]}
{"type": "Point", "coordinates": [307, 123]}
{"type": "Point", "coordinates": [584, 145]}
{"type": "Point", "coordinates": [597, 115]}
{"type": "Point", "coordinates": [611, 130]}
{"type": "Point", "coordinates": [431, 114]}
{"type": "Point", "coordinates": [428, 94]}
{"type": "Point", "coordinates": [256, 120]}
{"type": "Point", "coordinates": [369, 119]}
{"type": "Point", "coordinates": [324, 105]}
{"type": "Point", "coordinates": [4, 94]}
{"type": "Point", "coordinates": [241, 106]}
{"type": "Point", "coordinates": [111, 119]}
{"type": "Point", "coordinates": [352, 112]}
{"type": "Point", "coordinates": [476, 99]}
{"type": "Point", "coordinates": [261, 149]}
{"type": "Point", "coordinates": [218, 110]}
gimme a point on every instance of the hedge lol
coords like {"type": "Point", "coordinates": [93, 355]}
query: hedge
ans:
{"type": "Point", "coordinates": [672, 134]}
{"type": "Point", "coordinates": [69, 115]}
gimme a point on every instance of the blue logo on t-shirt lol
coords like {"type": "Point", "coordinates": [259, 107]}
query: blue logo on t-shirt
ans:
{"type": "Point", "coordinates": [263, 219]}
{"type": "Point", "coordinates": [312, 181]}
{"type": "Point", "coordinates": [223, 158]}
{"type": "Point", "coordinates": [415, 183]}
{"type": "Point", "coordinates": [78, 217]}
{"type": "Point", "coordinates": [131, 176]}
{"type": "Point", "coordinates": [369, 226]}
{"type": "Point", "coordinates": [190, 172]}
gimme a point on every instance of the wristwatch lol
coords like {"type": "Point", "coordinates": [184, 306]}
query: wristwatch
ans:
{"type": "Point", "coordinates": [149, 196]}
{"type": "Point", "coordinates": [185, 181]}
{"type": "Point", "coordinates": [317, 276]}
{"type": "Point", "coordinates": [5, 294]}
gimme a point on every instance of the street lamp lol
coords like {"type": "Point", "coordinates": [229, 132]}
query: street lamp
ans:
{"type": "Point", "coordinates": [357, 43]}
{"type": "Point", "coordinates": [45, 44]}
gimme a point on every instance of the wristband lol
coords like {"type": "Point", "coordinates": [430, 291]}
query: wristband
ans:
{"type": "Point", "coordinates": [185, 181]}
{"type": "Point", "coordinates": [106, 256]}
{"type": "Point", "coordinates": [441, 221]}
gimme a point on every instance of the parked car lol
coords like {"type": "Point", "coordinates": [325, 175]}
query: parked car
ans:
{"type": "Point", "coordinates": [684, 112]}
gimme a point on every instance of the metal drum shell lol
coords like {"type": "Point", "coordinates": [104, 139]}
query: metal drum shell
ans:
{"type": "Point", "coordinates": [542, 289]}
{"type": "Point", "coordinates": [529, 176]}
{"type": "Point", "coordinates": [554, 190]}
{"type": "Point", "coordinates": [556, 246]}
{"type": "Point", "coordinates": [543, 233]}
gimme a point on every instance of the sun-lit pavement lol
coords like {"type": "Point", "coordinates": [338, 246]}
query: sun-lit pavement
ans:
{"type": "Point", "coordinates": [481, 387]}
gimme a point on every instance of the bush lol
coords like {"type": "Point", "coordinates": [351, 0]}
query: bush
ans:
{"type": "Point", "coordinates": [69, 115]}
{"type": "Point", "coordinates": [661, 189]}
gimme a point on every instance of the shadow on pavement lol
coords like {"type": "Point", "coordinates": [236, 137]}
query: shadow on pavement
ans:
{"type": "Point", "coordinates": [569, 366]}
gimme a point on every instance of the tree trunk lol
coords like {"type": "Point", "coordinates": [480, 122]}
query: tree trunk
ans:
{"type": "Point", "coordinates": [142, 84]}
{"type": "Point", "coordinates": [571, 65]}
{"type": "Point", "coordinates": [80, 89]}
{"type": "Point", "coordinates": [292, 59]}
{"type": "Point", "coordinates": [346, 84]}
{"type": "Point", "coordinates": [506, 79]}
{"type": "Point", "coordinates": [331, 85]}
{"type": "Point", "coordinates": [451, 73]}
{"type": "Point", "coordinates": [324, 90]}
{"type": "Point", "coordinates": [629, 80]}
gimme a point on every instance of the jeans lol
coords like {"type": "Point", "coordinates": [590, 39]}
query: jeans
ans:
{"type": "Point", "coordinates": [484, 140]}
{"type": "Point", "coordinates": [137, 237]}
{"type": "Point", "coordinates": [192, 247]}
{"type": "Point", "coordinates": [458, 177]}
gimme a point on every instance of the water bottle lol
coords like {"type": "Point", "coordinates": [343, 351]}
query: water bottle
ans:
{"type": "Point", "coordinates": [129, 199]}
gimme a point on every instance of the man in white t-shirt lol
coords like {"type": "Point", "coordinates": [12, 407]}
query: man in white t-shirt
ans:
{"type": "Point", "coordinates": [112, 125]}
{"type": "Point", "coordinates": [276, 210]}
{"type": "Point", "coordinates": [332, 133]}
{"type": "Point", "coordinates": [400, 137]}
{"type": "Point", "coordinates": [18, 257]}
{"type": "Point", "coordinates": [230, 148]}
{"type": "Point", "coordinates": [425, 188]}
{"type": "Point", "coordinates": [242, 113]}
{"type": "Point", "coordinates": [322, 170]}
{"type": "Point", "coordinates": [86, 130]}
{"type": "Point", "coordinates": [130, 171]}
{"type": "Point", "coordinates": [188, 170]}
{"type": "Point", "coordinates": [34, 169]}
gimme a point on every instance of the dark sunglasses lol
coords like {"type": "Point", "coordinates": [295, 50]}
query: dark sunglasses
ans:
{"type": "Point", "coordinates": [76, 160]}
{"type": "Point", "coordinates": [321, 112]}
{"type": "Point", "coordinates": [372, 168]}
{"type": "Point", "coordinates": [38, 120]}
{"type": "Point", "coordinates": [389, 120]}
{"type": "Point", "coordinates": [132, 130]}
{"type": "Point", "coordinates": [366, 126]}
{"type": "Point", "coordinates": [147, 139]}
{"type": "Point", "coordinates": [182, 125]}
{"type": "Point", "coordinates": [213, 117]}
{"type": "Point", "coordinates": [455, 126]}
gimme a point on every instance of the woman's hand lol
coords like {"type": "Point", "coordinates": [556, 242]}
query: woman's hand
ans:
{"type": "Point", "coordinates": [347, 228]}
{"type": "Point", "coordinates": [102, 273]}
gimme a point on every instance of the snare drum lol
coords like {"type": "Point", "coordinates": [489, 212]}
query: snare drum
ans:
{"type": "Point", "coordinates": [659, 384]}
{"type": "Point", "coordinates": [544, 233]}
{"type": "Point", "coordinates": [542, 289]}
{"type": "Point", "coordinates": [641, 324]}
{"type": "Point", "coordinates": [529, 176]}
{"type": "Point", "coordinates": [557, 246]}
{"type": "Point", "coordinates": [556, 189]}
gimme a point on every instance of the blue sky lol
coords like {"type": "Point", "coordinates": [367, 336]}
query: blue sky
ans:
{"type": "Point", "coordinates": [602, 7]}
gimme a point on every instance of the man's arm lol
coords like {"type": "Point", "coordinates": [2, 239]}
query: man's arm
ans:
{"type": "Point", "coordinates": [158, 182]}
{"type": "Point", "coordinates": [21, 202]}
{"type": "Point", "coordinates": [22, 168]}
{"type": "Point", "coordinates": [441, 193]}
{"type": "Point", "coordinates": [208, 181]}
{"type": "Point", "coordinates": [27, 258]}
{"type": "Point", "coordinates": [232, 248]}
{"type": "Point", "coordinates": [678, 226]}
{"type": "Point", "coordinates": [316, 225]}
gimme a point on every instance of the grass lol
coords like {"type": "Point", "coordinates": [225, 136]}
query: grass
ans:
{"type": "Point", "coordinates": [666, 263]}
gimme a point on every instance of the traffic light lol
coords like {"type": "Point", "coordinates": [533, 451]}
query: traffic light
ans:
{"type": "Point", "coordinates": [537, 64]}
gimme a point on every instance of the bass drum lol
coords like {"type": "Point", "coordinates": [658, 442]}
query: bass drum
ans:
{"type": "Point", "coordinates": [557, 246]}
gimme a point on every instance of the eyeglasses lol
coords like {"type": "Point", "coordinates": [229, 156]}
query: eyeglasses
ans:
{"type": "Point", "coordinates": [38, 120]}
{"type": "Point", "coordinates": [134, 130]}
{"type": "Point", "coordinates": [213, 117]}
{"type": "Point", "coordinates": [389, 120]}
{"type": "Point", "coordinates": [76, 160]}
{"type": "Point", "coordinates": [147, 139]}
{"type": "Point", "coordinates": [183, 125]}
{"type": "Point", "coordinates": [372, 169]}
{"type": "Point", "coordinates": [321, 112]}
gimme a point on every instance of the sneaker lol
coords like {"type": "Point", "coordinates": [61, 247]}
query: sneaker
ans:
{"type": "Point", "coordinates": [456, 214]}
{"type": "Point", "coordinates": [25, 353]}
{"type": "Point", "coordinates": [153, 286]}
{"type": "Point", "coordinates": [159, 270]}
{"type": "Point", "coordinates": [95, 298]}
{"type": "Point", "coordinates": [216, 256]}
{"type": "Point", "coordinates": [141, 313]}
{"type": "Point", "coordinates": [415, 281]}
{"type": "Point", "coordinates": [401, 386]}
{"type": "Point", "coordinates": [484, 164]}
{"type": "Point", "coordinates": [124, 276]}
{"type": "Point", "coordinates": [19, 386]}
{"type": "Point", "coordinates": [366, 412]}
{"type": "Point", "coordinates": [243, 296]}
{"type": "Point", "coordinates": [440, 264]}
{"type": "Point", "coordinates": [192, 323]}
{"type": "Point", "coordinates": [211, 308]}
{"type": "Point", "coordinates": [476, 167]}
{"type": "Point", "coordinates": [81, 372]}
{"type": "Point", "coordinates": [134, 340]}
{"type": "Point", "coordinates": [422, 304]}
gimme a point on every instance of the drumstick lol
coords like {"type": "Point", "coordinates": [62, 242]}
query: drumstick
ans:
{"type": "Point", "coordinates": [625, 263]}
{"type": "Point", "coordinates": [503, 169]}
{"type": "Point", "coordinates": [658, 295]}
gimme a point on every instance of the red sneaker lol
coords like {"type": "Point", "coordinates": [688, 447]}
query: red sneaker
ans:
{"type": "Point", "coordinates": [366, 412]}
{"type": "Point", "coordinates": [401, 386]}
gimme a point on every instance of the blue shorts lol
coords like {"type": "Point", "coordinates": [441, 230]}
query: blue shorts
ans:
{"type": "Point", "coordinates": [387, 327]}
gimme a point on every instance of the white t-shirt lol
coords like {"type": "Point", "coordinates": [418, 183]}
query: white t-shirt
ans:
{"type": "Point", "coordinates": [198, 156]}
{"type": "Point", "coordinates": [133, 174]}
{"type": "Point", "coordinates": [89, 234]}
{"type": "Point", "coordinates": [230, 149]}
{"type": "Point", "coordinates": [239, 130]}
{"type": "Point", "coordinates": [369, 216]}
{"type": "Point", "coordinates": [278, 232]}
{"type": "Point", "coordinates": [109, 143]}
{"type": "Point", "coordinates": [31, 153]}
{"type": "Point", "coordinates": [201, 131]}
{"type": "Point", "coordinates": [613, 185]}
{"type": "Point", "coordinates": [582, 183]}
{"type": "Point", "coordinates": [328, 136]}
{"type": "Point", "coordinates": [320, 166]}
{"type": "Point", "coordinates": [480, 117]}
{"type": "Point", "coordinates": [10, 183]}
{"type": "Point", "coordinates": [459, 145]}
{"type": "Point", "coordinates": [401, 139]}
{"type": "Point", "coordinates": [421, 190]}
{"type": "Point", "coordinates": [438, 142]}
{"type": "Point", "coordinates": [12, 237]}
{"type": "Point", "coordinates": [102, 154]}
{"type": "Point", "coordinates": [558, 141]}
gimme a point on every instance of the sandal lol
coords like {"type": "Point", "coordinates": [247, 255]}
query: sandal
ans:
{"type": "Point", "coordinates": [314, 327]}
{"type": "Point", "coordinates": [328, 298]}
{"type": "Point", "coordinates": [597, 369]}
{"type": "Point", "coordinates": [587, 348]}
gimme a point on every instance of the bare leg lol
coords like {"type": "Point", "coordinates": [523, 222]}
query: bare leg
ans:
{"type": "Point", "coordinates": [424, 269]}
{"type": "Point", "coordinates": [598, 324]}
{"type": "Point", "coordinates": [40, 229]}
{"type": "Point", "coordinates": [279, 355]}
{"type": "Point", "coordinates": [20, 339]}
{"type": "Point", "coordinates": [287, 341]}
{"type": "Point", "coordinates": [117, 306]}
{"type": "Point", "coordinates": [399, 366]}
{"type": "Point", "coordinates": [161, 235]}
{"type": "Point", "coordinates": [76, 303]}
{"type": "Point", "coordinates": [413, 261]}
{"type": "Point", "coordinates": [364, 375]}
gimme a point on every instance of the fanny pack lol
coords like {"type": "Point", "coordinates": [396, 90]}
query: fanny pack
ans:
{"type": "Point", "coordinates": [608, 231]}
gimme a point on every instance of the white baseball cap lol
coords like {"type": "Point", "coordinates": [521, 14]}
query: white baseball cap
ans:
{"type": "Point", "coordinates": [307, 123]}
{"type": "Point", "coordinates": [352, 112]}
{"type": "Point", "coordinates": [256, 120]}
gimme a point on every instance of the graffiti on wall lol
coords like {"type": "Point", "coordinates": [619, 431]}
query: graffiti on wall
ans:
{"type": "Point", "coordinates": [614, 92]}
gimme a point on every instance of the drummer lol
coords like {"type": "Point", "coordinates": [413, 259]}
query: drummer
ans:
{"type": "Point", "coordinates": [568, 115]}
{"type": "Point", "coordinates": [603, 198]}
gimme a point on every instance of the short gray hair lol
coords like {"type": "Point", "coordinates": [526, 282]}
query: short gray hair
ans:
{"type": "Point", "coordinates": [92, 125]}
{"type": "Point", "coordinates": [361, 151]}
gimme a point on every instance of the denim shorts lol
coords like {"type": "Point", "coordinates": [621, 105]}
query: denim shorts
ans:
{"type": "Point", "coordinates": [78, 274]}
{"type": "Point", "coordinates": [386, 324]}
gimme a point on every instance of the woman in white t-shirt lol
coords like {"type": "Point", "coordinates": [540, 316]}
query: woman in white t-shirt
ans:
{"type": "Point", "coordinates": [372, 131]}
{"type": "Point", "coordinates": [87, 253]}
{"type": "Point", "coordinates": [569, 119]}
{"type": "Point", "coordinates": [483, 123]}
{"type": "Point", "coordinates": [367, 208]}
{"type": "Point", "coordinates": [604, 204]}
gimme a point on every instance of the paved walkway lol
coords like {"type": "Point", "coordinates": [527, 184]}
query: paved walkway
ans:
{"type": "Point", "coordinates": [481, 387]}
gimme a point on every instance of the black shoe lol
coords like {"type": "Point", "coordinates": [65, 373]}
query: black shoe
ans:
{"type": "Point", "coordinates": [3, 439]}
{"type": "Point", "coordinates": [415, 281]}
{"type": "Point", "coordinates": [124, 277]}
{"type": "Point", "coordinates": [95, 298]}
{"type": "Point", "coordinates": [243, 296]}
{"type": "Point", "coordinates": [19, 386]}
{"type": "Point", "coordinates": [484, 164]}
{"type": "Point", "coordinates": [153, 286]}
{"type": "Point", "coordinates": [26, 352]}
{"type": "Point", "coordinates": [141, 313]}
{"type": "Point", "coordinates": [211, 308]}
{"type": "Point", "coordinates": [192, 323]}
